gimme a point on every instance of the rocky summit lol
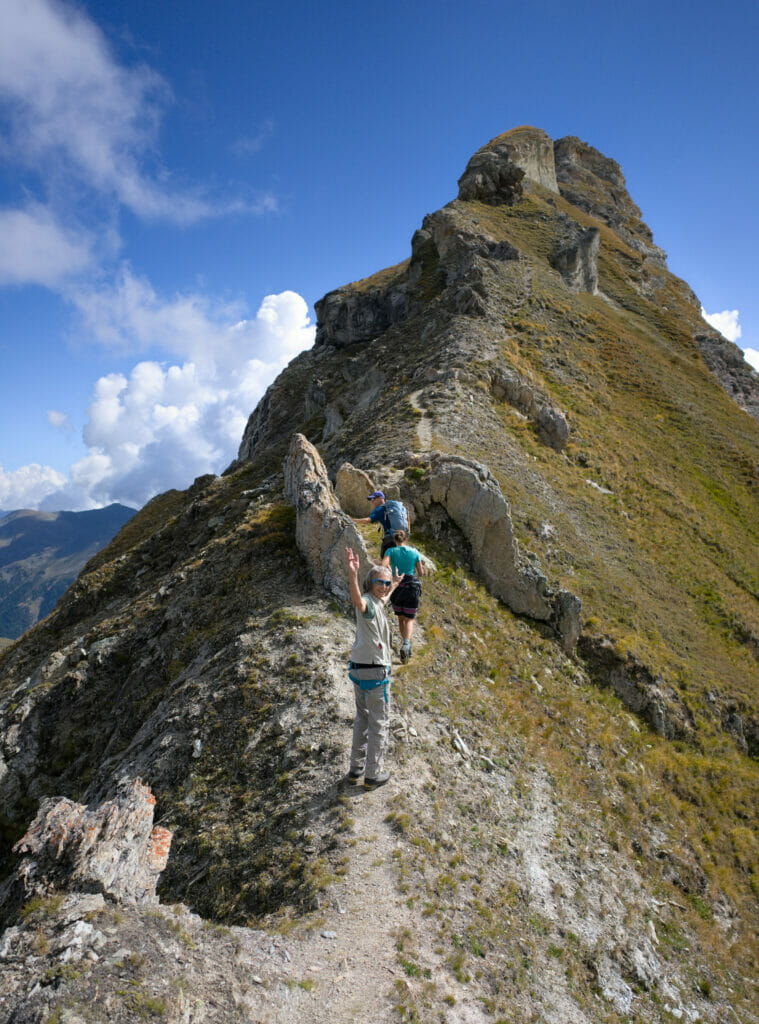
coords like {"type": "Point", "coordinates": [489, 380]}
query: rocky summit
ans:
{"type": "Point", "coordinates": [570, 831]}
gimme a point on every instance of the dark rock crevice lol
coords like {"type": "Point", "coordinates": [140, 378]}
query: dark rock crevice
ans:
{"type": "Point", "coordinates": [641, 691]}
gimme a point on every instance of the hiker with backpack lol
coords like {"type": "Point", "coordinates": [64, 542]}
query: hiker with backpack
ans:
{"type": "Point", "coordinates": [389, 514]}
{"type": "Point", "coordinates": [369, 671]}
{"type": "Point", "coordinates": [407, 562]}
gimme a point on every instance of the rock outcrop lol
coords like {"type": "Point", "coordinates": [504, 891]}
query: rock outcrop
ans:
{"type": "Point", "coordinates": [595, 183]}
{"type": "Point", "coordinates": [639, 689]}
{"type": "Point", "coordinates": [347, 316]}
{"type": "Point", "coordinates": [577, 260]}
{"type": "Point", "coordinates": [495, 173]}
{"type": "Point", "coordinates": [113, 849]}
{"type": "Point", "coordinates": [472, 498]}
{"type": "Point", "coordinates": [737, 377]}
{"type": "Point", "coordinates": [550, 422]}
{"type": "Point", "coordinates": [448, 259]}
{"type": "Point", "coordinates": [322, 529]}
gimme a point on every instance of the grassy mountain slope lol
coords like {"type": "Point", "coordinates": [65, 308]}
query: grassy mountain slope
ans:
{"type": "Point", "coordinates": [555, 856]}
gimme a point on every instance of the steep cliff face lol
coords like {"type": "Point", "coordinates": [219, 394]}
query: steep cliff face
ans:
{"type": "Point", "coordinates": [570, 832]}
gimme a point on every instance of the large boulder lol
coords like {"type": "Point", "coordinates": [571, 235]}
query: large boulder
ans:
{"type": "Point", "coordinates": [352, 487]}
{"type": "Point", "coordinates": [322, 529]}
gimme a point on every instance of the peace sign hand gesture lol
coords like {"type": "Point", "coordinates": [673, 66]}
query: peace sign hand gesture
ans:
{"type": "Point", "coordinates": [353, 560]}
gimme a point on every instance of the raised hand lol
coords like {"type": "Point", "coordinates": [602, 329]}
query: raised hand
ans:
{"type": "Point", "coordinates": [353, 559]}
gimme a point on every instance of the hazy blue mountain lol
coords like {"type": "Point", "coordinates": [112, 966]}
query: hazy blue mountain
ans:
{"type": "Point", "coordinates": [42, 553]}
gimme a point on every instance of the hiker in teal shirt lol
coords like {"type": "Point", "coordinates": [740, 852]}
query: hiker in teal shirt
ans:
{"type": "Point", "coordinates": [406, 561]}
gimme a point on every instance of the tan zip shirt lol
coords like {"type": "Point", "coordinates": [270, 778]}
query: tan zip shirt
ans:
{"type": "Point", "coordinates": [372, 644]}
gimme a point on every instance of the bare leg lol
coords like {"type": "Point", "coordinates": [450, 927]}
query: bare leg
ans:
{"type": "Point", "coordinates": [406, 626]}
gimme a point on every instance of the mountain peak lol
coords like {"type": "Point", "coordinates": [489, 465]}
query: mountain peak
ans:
{"type": "Point", "coordinates": [572, 814]}
{"type": "Point", "coordinates": [492, 175]}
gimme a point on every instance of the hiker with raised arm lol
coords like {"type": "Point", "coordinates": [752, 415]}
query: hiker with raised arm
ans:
{"type": "Point", "coordinates": [389, 514]}
{"type": "Point", "coordinates": [369, 671]}
{"type": "Point", "coordinates": [406, 562]}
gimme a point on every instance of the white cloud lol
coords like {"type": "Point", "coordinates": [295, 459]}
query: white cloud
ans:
{"type": "Point", "coordinates": [725, 322]}
{"type": "Point", "coordinates": [160, 427]}
{"type": "Point", "coordinates": [752, 357]}
{"type": "Point", "coordinates": [131, 316]}
{"type": "Point", "coordinates": [36, 249]}
{"type": "Point", "coordinates": [58, 419]}
{"type": "Point", "coordinates": [27, 486]}
{"type": "Point", "coordinates": [72, 112]}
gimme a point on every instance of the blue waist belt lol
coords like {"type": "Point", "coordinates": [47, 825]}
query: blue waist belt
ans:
{"type": "Point", "coordinates": [368, 677]}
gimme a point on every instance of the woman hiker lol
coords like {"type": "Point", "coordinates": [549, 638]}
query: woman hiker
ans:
{"type": "Point", "coordinates": [369, 671]}
{"type": "Point", "coordinates": [407, 562]}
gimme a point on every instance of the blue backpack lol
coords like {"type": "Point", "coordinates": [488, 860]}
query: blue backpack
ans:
{"type": "Point", "coordinates": [397, 516]}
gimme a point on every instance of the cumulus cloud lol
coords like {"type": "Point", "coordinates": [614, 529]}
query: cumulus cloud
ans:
{"type": "Point", "coordinates": [725, 322]}
{"type": "Point", "coordinates": [27, 486]}
{"type": "Point", "coordinates": [69, 109]}
{"type": "Point", "coordinates": [132, 316]}
{"type": "Point", "coordinates": [161, 426]}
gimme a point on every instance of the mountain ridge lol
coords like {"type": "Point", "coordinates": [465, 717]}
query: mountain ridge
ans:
{"type": "Point", "coordinates": [570, 834]}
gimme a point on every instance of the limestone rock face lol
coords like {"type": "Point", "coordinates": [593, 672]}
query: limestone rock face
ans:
{"type": "Point", "coordinates": [322, 529]}
{"type": "Point", "coordinates": [577, 261]}
{"type": "Point", "coordinates": [352, 487]}
{"type": "Point", "coordinates": [495, 173]}
{"type": "Point", "coordinates": [474, 501]}
{"type": "Point", "coordinates": [346, 316]}
{"type": "Point", "coordinates": [111, 849]}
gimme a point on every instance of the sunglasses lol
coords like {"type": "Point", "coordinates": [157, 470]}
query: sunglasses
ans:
{"type": "Point", "coordinates": [383, 583]}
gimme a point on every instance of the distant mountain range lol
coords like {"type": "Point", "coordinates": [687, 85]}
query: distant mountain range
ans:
{"type": "Point", "coordinates": [42, 553]}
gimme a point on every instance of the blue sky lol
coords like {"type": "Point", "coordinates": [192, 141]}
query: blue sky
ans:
{"type": "Point", "coordinates": [180, 183]}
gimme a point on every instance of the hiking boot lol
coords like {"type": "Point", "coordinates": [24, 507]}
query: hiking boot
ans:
{"type": "Point", "coordinates": [355, 774]}
{"type": "Point", "coordinates": [405, 651]}
{"type": "Point", "coordinates": [379, 780]}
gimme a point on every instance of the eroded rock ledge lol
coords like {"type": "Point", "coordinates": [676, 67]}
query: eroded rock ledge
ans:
{"type": "Point", "coordinates": [474, 501]}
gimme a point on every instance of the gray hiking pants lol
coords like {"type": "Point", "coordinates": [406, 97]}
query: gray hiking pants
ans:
{"type": "Point", "coordinates": [371, 729]}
